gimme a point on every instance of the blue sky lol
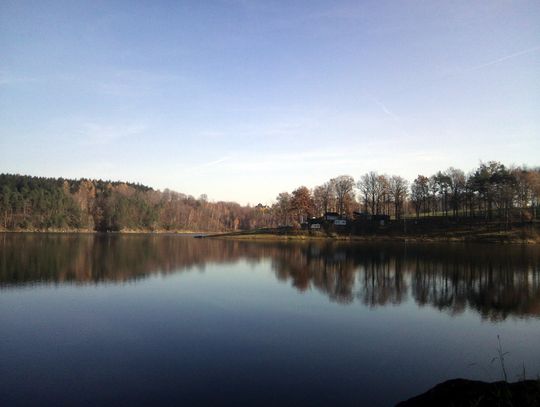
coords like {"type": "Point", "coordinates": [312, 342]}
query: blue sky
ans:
{"type": "Point", "coordinates": [244, 99]}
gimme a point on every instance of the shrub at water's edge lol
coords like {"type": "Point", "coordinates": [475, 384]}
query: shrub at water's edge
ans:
{"type": "Point", "coordinates": [461, 392]}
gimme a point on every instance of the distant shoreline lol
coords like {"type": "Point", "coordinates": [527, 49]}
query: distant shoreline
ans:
{"type": "Point", "coordinates": [513, 236]}
{"type": "Point", "coordinates": [100, 232]}
{"type": "Point", "coordinates": [501, 239]}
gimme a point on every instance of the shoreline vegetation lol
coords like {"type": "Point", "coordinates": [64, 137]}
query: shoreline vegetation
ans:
{"type": "Point", "coordinates": [492, 203]}
{"type": "Point", "coordinates": [517, 234]}
{"type": "Point", "coordinates": [463, 392]}
{"type": "Point", "coordinates": [503, 237]}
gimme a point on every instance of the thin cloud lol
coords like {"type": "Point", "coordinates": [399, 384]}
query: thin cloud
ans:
{"type": "Point", "coordinates": [96, 133]}
{"type": "Point", "coordinates": [7, 79]}
{"type": "Point", "coordinates": [279, 162]}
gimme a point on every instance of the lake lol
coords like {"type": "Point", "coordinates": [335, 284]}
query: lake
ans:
{"type": "Point", "coordinates": [170, 320]}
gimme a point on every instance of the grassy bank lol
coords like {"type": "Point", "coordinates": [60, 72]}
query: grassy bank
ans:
{"type": "Point", "coordinates": [518, 235]}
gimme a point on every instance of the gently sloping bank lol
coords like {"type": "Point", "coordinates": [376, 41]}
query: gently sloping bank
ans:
{"type": "Point", "coordinates": [514, 236]}
{"type": "Point", "coordinates": [528, 234]}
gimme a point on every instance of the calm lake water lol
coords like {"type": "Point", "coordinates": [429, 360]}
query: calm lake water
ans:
{"type": "Point", "coordinates": [147, 320]}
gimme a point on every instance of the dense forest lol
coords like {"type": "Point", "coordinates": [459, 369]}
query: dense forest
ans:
{"type": "Point", "coordinates": [36, 203]}
{"type": "Point", "coordinates": [490, 191]}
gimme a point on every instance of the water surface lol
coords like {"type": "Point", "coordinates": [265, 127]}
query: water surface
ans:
{"type": "Point", "coordinates": [145, 320]}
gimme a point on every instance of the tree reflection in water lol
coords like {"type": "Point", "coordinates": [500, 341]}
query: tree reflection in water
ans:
{"type": "Point", "coordinates": [497, 281]}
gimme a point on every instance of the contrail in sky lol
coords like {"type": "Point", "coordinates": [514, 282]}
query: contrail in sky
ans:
{"type": "Point", "coordinates": [397, 121]}
{"type": "Point", "coordinates": [459, 71]}
{"type": "Point", "coordinates": [206, 165]}
{"type": "Point", "coordinates": [501, 59]}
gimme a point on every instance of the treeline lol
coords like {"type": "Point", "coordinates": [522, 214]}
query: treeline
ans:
{"type": "Point", "coordinates": [36, 203]}
{"type": "Point", "coordinates": [490, 191]}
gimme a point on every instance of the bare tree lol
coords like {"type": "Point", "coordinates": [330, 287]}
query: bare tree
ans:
{"type": "Point", "coordinates": [343, 186]}
{"type": "Point", "coordinates": [373, 188]}
{"type": "Point", "coordinates": [398, 193]}
{"type": "Point", "coordinates": [324, 197]}
{"type": "Point", "coordinates": [457, 188]}
{"type": "Point", "coordinates": [383, 191]}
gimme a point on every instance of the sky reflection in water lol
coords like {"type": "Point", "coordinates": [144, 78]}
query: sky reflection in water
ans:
{"type": "Point", "coordinates": [138, 320]}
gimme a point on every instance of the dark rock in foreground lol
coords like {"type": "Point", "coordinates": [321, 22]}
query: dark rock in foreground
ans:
{"type": "Point", "coordinates": [461, 392]}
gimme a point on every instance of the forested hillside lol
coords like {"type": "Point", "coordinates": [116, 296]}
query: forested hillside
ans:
{"type": "Point", "coordinates": [36, 203]}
